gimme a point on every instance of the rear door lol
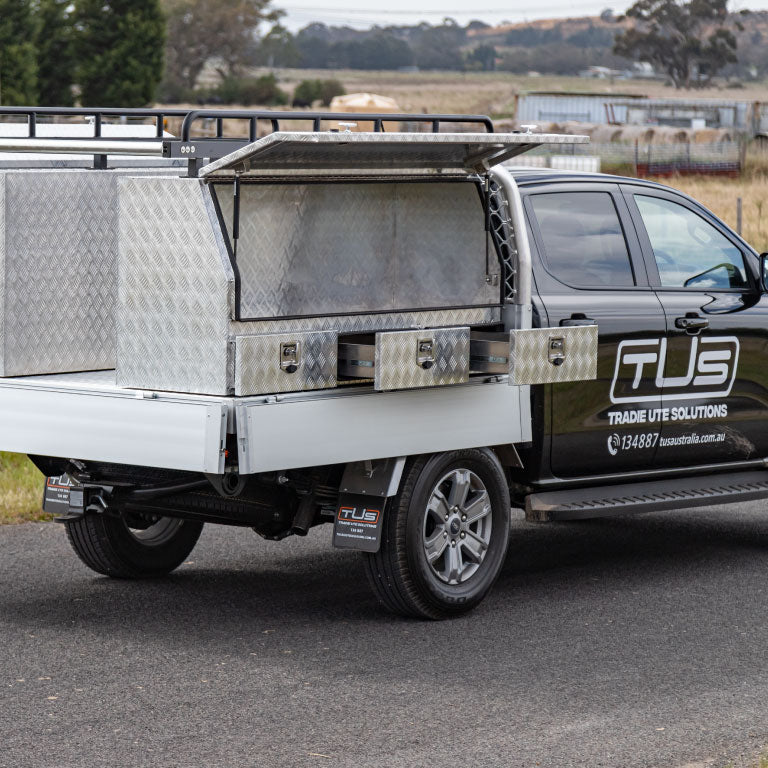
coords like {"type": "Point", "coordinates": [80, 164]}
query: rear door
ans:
{"type": "Point", "coordinates": [588, 268]}
{"type": "Point", "coordinates": [712, 362]}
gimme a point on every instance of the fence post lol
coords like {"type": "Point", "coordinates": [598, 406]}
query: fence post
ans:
{"type": "Point", "coordinates": [636, 157]}
{"type": "Point", "coordinates": [738, 215]}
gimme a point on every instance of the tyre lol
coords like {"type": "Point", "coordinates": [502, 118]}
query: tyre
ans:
{"type": "Point", "coordinates": [114, 547]}
{"type": "Point", "coordinates": [444, 535]}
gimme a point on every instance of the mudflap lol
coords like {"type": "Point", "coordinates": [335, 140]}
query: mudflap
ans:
{"type": "Point", "coordinates": [358, 522]}
{"type": "Point", "coordinates": [63, 498]}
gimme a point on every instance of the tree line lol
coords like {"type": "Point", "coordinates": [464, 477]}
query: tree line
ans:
{"type": "Point", "coordinates": [131, 52]}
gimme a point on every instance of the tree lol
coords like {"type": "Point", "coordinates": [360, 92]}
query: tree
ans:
{"type": "Point", "coordinates": [55, 53]}
{"type": "Point", "coordinates": [314, 50]}
{"type": "Point", "coordinates": [224, 31]}
{"type": "Point", "coordinates": [278, 48]}
{"type": "Point", "coordinates": [18, 62]}
{"type": "Point", "coordinates": [439, 47]}
{"type": "Point", "coordinates": [687, 40]}
{"type": "Point", "coordinates": [482, 57]}
{"type": "Point", "coordinates": [119, 49]}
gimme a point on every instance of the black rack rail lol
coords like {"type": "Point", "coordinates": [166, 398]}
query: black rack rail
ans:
{"type": "Point", "coordinates": [98, 114]}
{"type": "Point", "coordinates": [194, 148]}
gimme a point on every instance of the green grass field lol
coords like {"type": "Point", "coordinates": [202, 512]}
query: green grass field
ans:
{"type": "Point", "coordinates": [21, 490]}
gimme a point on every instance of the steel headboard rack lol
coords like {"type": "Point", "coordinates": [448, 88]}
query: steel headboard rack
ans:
{"type": "Point", "coordinates": [188, 146]}
{"type": "Point", "coordinates": [195, 149]}
{"type": "Point", "coordinates": [98, 145]}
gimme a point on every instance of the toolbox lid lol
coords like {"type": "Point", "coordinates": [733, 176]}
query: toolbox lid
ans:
{"type": "Point", "coordinates": [355, 153]}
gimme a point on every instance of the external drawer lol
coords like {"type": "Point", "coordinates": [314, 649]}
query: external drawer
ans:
{"type": "Point", "coordinates": [285, 362]}
{"type": "Point", "coordinates": [537, 355]}
{"type": "Point", "coordinates": [553, 355]}
{"type": "Point", "coordinates": [430, 357]}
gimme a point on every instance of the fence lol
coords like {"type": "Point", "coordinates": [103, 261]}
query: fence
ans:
{"type": "Point", "coordinates": [722, 158]}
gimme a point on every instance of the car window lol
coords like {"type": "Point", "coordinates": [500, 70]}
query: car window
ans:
{"type": "Point", "coordinates": [583, 240]}
{"type": "Point", "coordinates": [689, 251]}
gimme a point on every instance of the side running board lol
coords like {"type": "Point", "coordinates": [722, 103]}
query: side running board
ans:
{"type": "Point", "coordinates": [652, 496]}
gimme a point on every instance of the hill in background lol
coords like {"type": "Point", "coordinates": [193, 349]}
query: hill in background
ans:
{"type": "Point", "coordinates": [548, 46]}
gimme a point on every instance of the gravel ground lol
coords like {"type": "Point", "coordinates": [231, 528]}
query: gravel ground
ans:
{"type": "Point", "coordinates": [623, 643]}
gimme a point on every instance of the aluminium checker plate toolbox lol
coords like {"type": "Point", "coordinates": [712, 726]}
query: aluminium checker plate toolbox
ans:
{"type": "Point", "coordinates": [425, 357]}
{"type": "Point", "coordinates": [537, 355]}
{"type": "Point", "coordinates": [412, 359]}
{"type": "Point", "coordinates": [285, 362]}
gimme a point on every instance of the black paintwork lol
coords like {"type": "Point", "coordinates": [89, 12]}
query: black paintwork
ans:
{"type": "Point", "coordinates": [571, 421]}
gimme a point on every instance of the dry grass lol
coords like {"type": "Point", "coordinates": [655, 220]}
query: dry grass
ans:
{"type": "Point", "coordinates": [490, 93]}
{"type": "Point", "coordinates": [720, 196]}
{"type": "Point", "coordinates": [21, 490]}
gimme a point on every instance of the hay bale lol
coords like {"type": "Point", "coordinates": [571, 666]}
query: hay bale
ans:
{"type": "Point", "coordinates": [644, 134]}
{"type": "Point", "coordinates": [669, 134]}
{"type": "Point", "coordinates": [606, 134]}
{"type": "Point", "coordinates": [712, 135]}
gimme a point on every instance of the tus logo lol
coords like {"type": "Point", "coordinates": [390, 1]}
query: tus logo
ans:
{"type": "Point", "coordinates": [359, 515]}
{"type": "Point", "coordinates": [710, 370]}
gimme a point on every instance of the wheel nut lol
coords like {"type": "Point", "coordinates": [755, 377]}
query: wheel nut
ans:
{"type": "Point", "coordinates": [463, 534]}
{"type": "Point", "coordinates": [463, 518]}
{"type": "Point", "coordinates": [445, 535]}
{"type": "Point", "coordinates": [446, 518]}
{"type": "Point", "coordinates": [453, 543]}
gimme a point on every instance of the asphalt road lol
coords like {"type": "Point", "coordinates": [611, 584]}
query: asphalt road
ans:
{"type": "Point", "coordinates": [641, 642]}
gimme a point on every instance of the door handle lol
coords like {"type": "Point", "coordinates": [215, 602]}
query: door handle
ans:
{"type": "Point", "coordinates": [577, 318]}
{"type": "Point", "coordinates": [692, 323]}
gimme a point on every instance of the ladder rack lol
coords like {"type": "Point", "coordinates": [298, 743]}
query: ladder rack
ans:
{"type": "Point", "coordinates": [192, 145]}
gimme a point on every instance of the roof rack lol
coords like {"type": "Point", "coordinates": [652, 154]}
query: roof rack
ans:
{"type": "Point", "coordinates": [190, 147]}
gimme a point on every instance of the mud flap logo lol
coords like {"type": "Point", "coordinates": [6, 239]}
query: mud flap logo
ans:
{"type": "Point", "coordinates": [358, 522]}
{"type": "Point", "coordinates": [640, 368]}
{"type": "Point", "coordinates": [56, 496]}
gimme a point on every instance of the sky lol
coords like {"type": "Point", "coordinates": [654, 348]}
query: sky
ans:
{"type": "Point", "coordinates": [363, 13]}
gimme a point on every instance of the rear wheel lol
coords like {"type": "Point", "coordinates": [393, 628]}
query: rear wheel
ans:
{"type": "Point", "coordinates": [135, 548]}
{"type": "Point", "coordinates": [444, 537]}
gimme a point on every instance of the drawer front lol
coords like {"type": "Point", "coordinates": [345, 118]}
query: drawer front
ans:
{"type": "Point", "coordinates": [553, 355]}
{"type": "Point", "coordinates": [421, 358]}
{"type": "Point", "coordinates": [285, 362]}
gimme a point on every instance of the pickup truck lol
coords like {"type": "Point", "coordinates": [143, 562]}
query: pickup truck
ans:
{"type": "Point", "coordinates": [388, 332]}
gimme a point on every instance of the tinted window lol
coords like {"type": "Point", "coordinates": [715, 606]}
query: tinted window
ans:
{"type": "Point", "coordinates": [583, 239]}
{"type": "Point", "coordinates": [689, 251]}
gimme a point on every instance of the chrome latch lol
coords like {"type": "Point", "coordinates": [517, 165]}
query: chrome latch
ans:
{"type": "Point", "coordinates": [290, 352]}
{"type": "Point", "coordinates": [425, 353]}
{"type": "Point", "coordinates": [556, 350]}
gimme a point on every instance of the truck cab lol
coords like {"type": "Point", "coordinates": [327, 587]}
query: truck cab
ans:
{"type": "Point", "coordinates": [681, 316]}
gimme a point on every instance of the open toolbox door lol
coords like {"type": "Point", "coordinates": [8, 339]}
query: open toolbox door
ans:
{"type": "Point", "coordinates": [353, 153]}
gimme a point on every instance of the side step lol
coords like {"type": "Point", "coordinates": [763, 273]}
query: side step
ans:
{"type": "Point", "coordinates": [655, 495]}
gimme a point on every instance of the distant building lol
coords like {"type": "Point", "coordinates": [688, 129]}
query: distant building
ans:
{"type": "Point", "coordinates": [557, 107]}
{"type": "Point", "coordinates": [603, 73]}
{"type": "Point", "coordinates": [743, 116]}
{"type": "Point", "coordinates": [632, 109]}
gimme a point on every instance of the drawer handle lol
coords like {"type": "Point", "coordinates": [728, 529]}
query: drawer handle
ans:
{"type": "Point", "coordinates": [290, 354]}
{"type": "Point", "coordinates": [425, 353]}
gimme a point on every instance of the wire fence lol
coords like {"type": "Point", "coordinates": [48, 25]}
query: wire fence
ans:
{"type": "Point", "coordinates": [724, 158]}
